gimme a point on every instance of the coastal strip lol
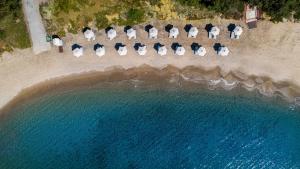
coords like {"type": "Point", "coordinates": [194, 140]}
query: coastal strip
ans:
{"type": "Point", "coordinates": [269, 51]}
{"type": "Point", "coordinates": [199, 78]}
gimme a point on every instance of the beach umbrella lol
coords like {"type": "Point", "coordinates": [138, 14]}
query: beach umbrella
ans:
{"type": "Point", "coordinates": [57, 42]}
{"type": "Point", "coordinates": [179, 50]}
{"type": "Point", "coordinates": [111, 34]}
{"type": "Point", "coordinates": [100, 51]}
{"type": "Point", "coordinates": [193, 32]}
{"type": "Point", "coordinates": [142, 50]}
{"type": "Point", "coordinates": [214, 32]}
{"type": "Point", "coordinates": [153, 32]}
{"type": "Point", "coordinates": [162, 50]}
{"type": "Point", "coordinates": [122, 50]}
{"type": "Point", "coordinates": [223, 51]}
{"type": "Point", "coordinates": [237, 32]}
{"type": "Point", "coordinates": [77, 51]}
{"type": "Point", "coordinates": [89, 34]}
{"type": "Point", "coordinates": [201, 51]}
{"type": "Point", "coordinates": [174, 32]}
{"type": "Point", "coordinates": [131, 33]}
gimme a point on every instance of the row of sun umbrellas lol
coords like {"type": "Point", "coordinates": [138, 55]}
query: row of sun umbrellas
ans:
{"type": "Point", "coordinates": [193, 31]}
{"type": "Point", "coordinates": [141, 49]}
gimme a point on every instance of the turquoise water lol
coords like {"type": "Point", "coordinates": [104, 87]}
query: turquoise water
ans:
{"type": "Point", "coordinates": [150, 128]}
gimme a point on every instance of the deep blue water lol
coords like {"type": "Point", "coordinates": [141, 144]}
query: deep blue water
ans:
{"type": "Point", "coordinates": [150, 128]}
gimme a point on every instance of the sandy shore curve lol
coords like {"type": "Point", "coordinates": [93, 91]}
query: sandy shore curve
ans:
{"type": "Point", "coordinates": [271, 52]}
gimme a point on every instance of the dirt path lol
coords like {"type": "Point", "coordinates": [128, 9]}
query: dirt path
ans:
{"type": "Point", "coordinates": [35, 26]}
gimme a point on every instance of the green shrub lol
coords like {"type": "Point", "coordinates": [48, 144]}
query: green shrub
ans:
{"type": "Point", "coordinates": [194, 3]}
{"type": "Point", "coordinates": [12, 21]}
{"type": "Point", "coordinates": [68, 5]}
{"type": "Point", "coordinates": [61, 33]}
{"type": "Point", "coordinates": [276, 9]}
{"type": "Point", "coordinates": [154, 2]}
{"type": "Point", "coordinates": [135, 16]}
{"type": "Point", "coordinates": [72, 27]}
{"type": "Point", "coordinates": [101, 20]}
{"type": "Point", "coordinates": [2, 34]}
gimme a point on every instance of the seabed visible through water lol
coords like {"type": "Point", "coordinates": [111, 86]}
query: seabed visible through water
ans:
{"type": "Point", "coordinates": [136, 124]}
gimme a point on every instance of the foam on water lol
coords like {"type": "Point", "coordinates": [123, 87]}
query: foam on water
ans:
{"type": "Point", "coordinates": [134, 127]}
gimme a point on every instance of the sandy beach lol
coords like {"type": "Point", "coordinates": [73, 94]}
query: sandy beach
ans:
{"type": "Point", "coordinates": [271, 52]}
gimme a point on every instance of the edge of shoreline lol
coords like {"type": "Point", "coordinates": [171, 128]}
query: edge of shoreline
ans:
{"type": "Point", "coordinates": [213, 78]}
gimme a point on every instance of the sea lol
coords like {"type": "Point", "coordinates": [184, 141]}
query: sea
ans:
{"type": "Point", "coordinates": [134, 125]}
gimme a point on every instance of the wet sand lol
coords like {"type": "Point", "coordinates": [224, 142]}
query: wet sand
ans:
{"type": "Point", "coordinates": [189, 77]}
{"type": "Point", "coordinates": [265, 59]}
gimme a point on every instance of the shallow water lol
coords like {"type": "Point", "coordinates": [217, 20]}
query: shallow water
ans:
{"type": "Point", "coordinates": [130, 127]}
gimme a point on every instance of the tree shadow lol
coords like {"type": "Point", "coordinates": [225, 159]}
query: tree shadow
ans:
{"type": "Point", "coordinates": [118, 45]}
{"type": "Point", "coordinates": [195, 46]}
{"type": "Point", "coordinates": [108, 28]}
{"type": "Point", "coordinates": [217, 46]}
{"type": "Point", "coordinates": [157, 45]}
{"type": "Point", "coordinates": [137, 45]}
{"type": "Point", "coordinates": [188, 27]}
{"type": "Point", "coordinates": [148, 27]}
{"type": "Point", "coordinates": [97, 45]}
{"type": "Point", "coordinates": [231, 27]}
{"type": "Point", "coordinates": [175, 45]}
{"type": "Point", "coordinates": [168, 27]}
{"type": "Point", "coordinates": [126, 28]}
{"type": "Point", "coordinates": [85, 29]}
{"type": "Point", "coordinates": [74, 46]}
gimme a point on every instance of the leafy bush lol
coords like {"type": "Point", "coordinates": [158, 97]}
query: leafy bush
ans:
{"type": "Point", "coordinates": [61, 33]}
{"type": "Point", "coordinates": [68, 5]}
{"type": "Point", "coordinates": [13, 31]}
{"type": "Point", "coordinates": [135, 16]}
{"type": "Point", "coordinates": [230, 8]}
{"type": "Point", "coordinates": [72, 27]}
{"type": "Point", "coordinates": [276, 9]}
{"type": "Point", "coordinates": [101, 20]}
{"type": "Point", "coordinates": [10, 7]}
{"type": "Point", "coordinates": [194, 3]}
{"type": "Point", "coordinates": [154, 2]}
{"type": "Point", "coordinates": [2, 34]}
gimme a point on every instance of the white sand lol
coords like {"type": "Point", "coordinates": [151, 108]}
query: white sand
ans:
{"type": "Point", "coordinates": [272, 50]}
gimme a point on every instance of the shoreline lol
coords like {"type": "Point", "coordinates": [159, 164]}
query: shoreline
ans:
{"type": "Point", "coordinates": [264, 56]}
{"type": "Point", "coordinates": [146, 73]}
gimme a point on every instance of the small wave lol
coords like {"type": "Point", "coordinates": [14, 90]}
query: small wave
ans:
{"type": "Point", "coordinates": [292, 107]}
{"type": "Point", "coordinates": [195, 80]}
{"type": "Point", "coordinates": [214, 82]}
{"type": "Point", "coordinates": [223, 83]}
{"type": "Point", "coordinates": [229, 84]}
{"type": "Point", "coordinates": [297, 101]}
